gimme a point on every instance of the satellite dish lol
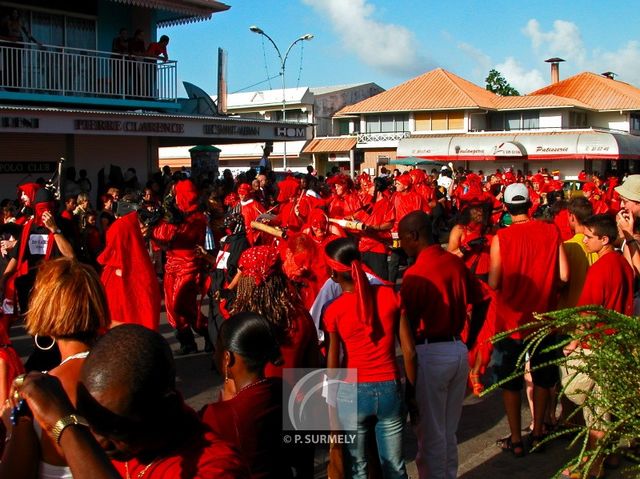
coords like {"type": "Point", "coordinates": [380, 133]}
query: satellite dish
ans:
{"type": "Point", "coordinates": [199, 102]}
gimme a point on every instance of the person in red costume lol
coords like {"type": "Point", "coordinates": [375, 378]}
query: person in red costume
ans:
{"type": "Point", "coordinates": [10, 367]}
{"type": "Point", "coordinates": [180, 235]}
{"type": "Point", "coordinates": [128, 276]}
{"type": "Point", "coordinates": [288, 195]}
{"type": "Point", "coordinates": [304, 265]}
{"type": "Point", "coordinates": [375, 240]}
{"type": "Point", "coordinates": [344, 202]}
{"type": "Point", "coordinates": [320, 230]}
{"type": "Point", "coordinates": [420, 184]}
{"type": "Point", "coordinates": [27, 194]}
{"type": "Point", "coordinates": [365, 188]}
{"type": "Point", "coordinates": [250, 210]}
{"type": "Point", "coordinates": [404, 201]}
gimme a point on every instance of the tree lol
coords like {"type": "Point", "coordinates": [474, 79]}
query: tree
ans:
{"type": "Point", "coordinates": [497, 84]}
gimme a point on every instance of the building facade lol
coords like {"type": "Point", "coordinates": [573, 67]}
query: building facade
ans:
{"type": "Point", "coordinates": [306, 105]}
{"type": "Point", "coordinates": [65, 92]}
{"type": "Point", "coordinates": [586, 122]}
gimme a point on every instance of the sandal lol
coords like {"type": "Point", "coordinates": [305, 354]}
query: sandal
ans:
{"type": "Point", "coordinates": [477, 386]}
{"type": "Point", "coordinates": [507, 445]}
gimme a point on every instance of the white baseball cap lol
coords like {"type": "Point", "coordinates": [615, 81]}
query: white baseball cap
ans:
{"type": "Point", "coordinates": [516, 194]}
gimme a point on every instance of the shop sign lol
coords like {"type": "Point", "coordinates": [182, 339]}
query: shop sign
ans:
{"type": "Point", "coordinates": [129, 126]}
{"type": "Point", "coordinates": [230, 130]}
{"type": "Point", "coordinates": [19, 122]}
{"type": "Point", "coordinates": [25, 167]}
{"type": "Point", "coordinates": [290, 132]}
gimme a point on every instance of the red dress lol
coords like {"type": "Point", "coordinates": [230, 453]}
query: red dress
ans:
{"type": "Point", "coordinates": [128, 276]}
{"type": "Point", "coordinates": [252, 422]}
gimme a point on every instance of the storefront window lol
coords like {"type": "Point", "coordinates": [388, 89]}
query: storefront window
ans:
{"type": "Point", "coordinates": [530, 120]}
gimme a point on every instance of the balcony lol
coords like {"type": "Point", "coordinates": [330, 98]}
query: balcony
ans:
{"type": "Point", "coordinates": [382, 137]}
{"type": "Point", "coordinates": [51, 74]}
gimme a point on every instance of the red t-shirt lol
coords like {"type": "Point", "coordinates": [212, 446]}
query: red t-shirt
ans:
{"type": "Point", "coordinates": [375, 359]}
{"type": "Point", "coordinates": [156, 49]}
{"type": "Point", "coordinates": [302, 338]}
{"type": "Point", "coordinates": [435, 292]}
{"type": "Point", "coordinates": [529, 254]}
{"type": "Point", "coordinates": [252, 422]}
{"type": "Point", "coordinates": [609, 283]}
{"type": "Point", "coordinates": [202, 456]}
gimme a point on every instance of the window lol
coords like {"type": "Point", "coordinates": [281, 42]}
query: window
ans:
{"type": "Point", "coordinates": [512, 121]}
{"type": "Point", "coordinates": [373, 124]}
{"type": "Point", "coordinates": [530, 120]}
{"type": "Point", "coordinates": [635, 121]}
{"type": "Point", "coordinates": [61, 30]}
{"type": "Point", "coordinates": [343, 127]}
{"type": "Point", "coordinates": [387, 123]}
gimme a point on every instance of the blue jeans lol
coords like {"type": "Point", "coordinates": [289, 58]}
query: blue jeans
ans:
{"type": "Point", "coordinates": [380, 409]}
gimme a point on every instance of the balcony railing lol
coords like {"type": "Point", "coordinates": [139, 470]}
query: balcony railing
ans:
{"type": "Point", "coordinates": [34, 68]}
{"type": "Point", "coordinates": [376, 137]}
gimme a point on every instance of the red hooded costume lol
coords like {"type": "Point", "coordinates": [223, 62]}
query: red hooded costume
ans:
{"type": "Point", "coordinates": [128, 276]}
{"type": "Point", "coordinates": [182, 269]}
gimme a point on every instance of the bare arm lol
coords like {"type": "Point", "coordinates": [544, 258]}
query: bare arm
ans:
{"type": "Point", "coordinates": [454, 241]}
{"type": "Point", "coordinates": [61, 242]}
{"type": "Point", "coordinates": [495, 264]}
{"type": "Point", "coordinates": [49, 403]}
{"type": "Point", "coordinates": [407, 344]}
{"type": "Point", "coordinates": [563, 264]}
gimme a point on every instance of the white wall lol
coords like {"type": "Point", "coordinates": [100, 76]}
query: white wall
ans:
{"type": "Point", "coordinates": [611, 120]}
{"type": "Point", "coordinates": [551, 119]}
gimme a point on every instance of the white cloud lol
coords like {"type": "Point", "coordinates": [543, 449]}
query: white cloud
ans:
{"type": "Point", "coordinates": [563, 40]}
{"type": "Point", "coordinates": [525, 81]}
{"type": "Point", "coordinates": [389, 48]}
{"type": "Point", "coordinates": [482, 60]}
{"type": "Point", "coordinates": [625, 62]}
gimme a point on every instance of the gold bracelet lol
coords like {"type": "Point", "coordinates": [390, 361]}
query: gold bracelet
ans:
{"type": "Point", "coordinates": [64, 422]}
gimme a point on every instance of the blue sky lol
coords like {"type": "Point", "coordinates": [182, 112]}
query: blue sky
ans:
{"type": "Point", "coordinates": [391, 41]}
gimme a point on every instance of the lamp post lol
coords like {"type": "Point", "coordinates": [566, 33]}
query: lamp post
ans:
{"type": "Point", "coordinates": [283, 63]}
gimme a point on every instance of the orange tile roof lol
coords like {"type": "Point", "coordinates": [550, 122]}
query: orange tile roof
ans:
{"type": "Point", "coordinates": [330, 145]}
{"type": "Point", "coordinates": [434, 90]}
{"type": "Point", "coordinates": [536, 101]}
{"type": "Point", "coordinates": [597, 91]}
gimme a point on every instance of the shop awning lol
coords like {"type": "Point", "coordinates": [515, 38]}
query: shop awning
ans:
{"type": "Point", "coordinates": [580, 145]}
{"type": "Point", "coordinates": [413, 161]}
{"type": "Point", "coordinates": [330, 145]}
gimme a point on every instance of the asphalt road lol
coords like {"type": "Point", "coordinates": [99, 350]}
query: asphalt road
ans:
{"type": "Point", "coordinates": [483, 422]}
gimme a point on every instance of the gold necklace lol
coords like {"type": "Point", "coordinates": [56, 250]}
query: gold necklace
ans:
{"type": "Point", "coordinates": [141, 473]}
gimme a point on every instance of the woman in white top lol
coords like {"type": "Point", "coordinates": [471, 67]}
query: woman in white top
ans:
{"type": "Point", "coordinates": [68, 305]}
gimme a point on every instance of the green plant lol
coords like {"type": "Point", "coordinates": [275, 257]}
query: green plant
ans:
{"type": "Point", "coordinates": [613, 363]}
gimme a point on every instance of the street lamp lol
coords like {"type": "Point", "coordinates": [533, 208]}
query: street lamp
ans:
{"type": "Point", "coordinates": [283, 63]}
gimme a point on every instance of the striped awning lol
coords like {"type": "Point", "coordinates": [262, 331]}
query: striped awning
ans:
{"type": "Point", "coordinates": [330, 145]}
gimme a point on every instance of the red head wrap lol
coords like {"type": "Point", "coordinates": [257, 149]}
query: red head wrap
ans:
{"type": "Point", "coordinates": [259, 262]}
{"type": "Point", "coordinates": [287, 189]}
{"type": "Point", "coordinates": [318, 218]}
{"type": "Point", "coordinates": [417, 176]}
{"type": "Point", "coordinates": [186, 196]}
{"type": "Point", "coordinates": [403, 179]}
{"type": "Point", "coordinates": [29, 189]}
{"type": "Point", "coordinates": [362, 288]}
{"type": "Point", "coordinates": [582, 176]}
{"type": "Point", "coordinates": [244, 189]}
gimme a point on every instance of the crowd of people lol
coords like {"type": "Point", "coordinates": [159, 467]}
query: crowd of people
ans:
{"type": "Point", "coordinates": [306, 272]}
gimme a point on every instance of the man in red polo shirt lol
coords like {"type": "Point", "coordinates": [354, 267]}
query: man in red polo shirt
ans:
{"type": "Point", "coordinates": [527, 264]}
{"type": "Point", "coordinates": [436, 291]}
